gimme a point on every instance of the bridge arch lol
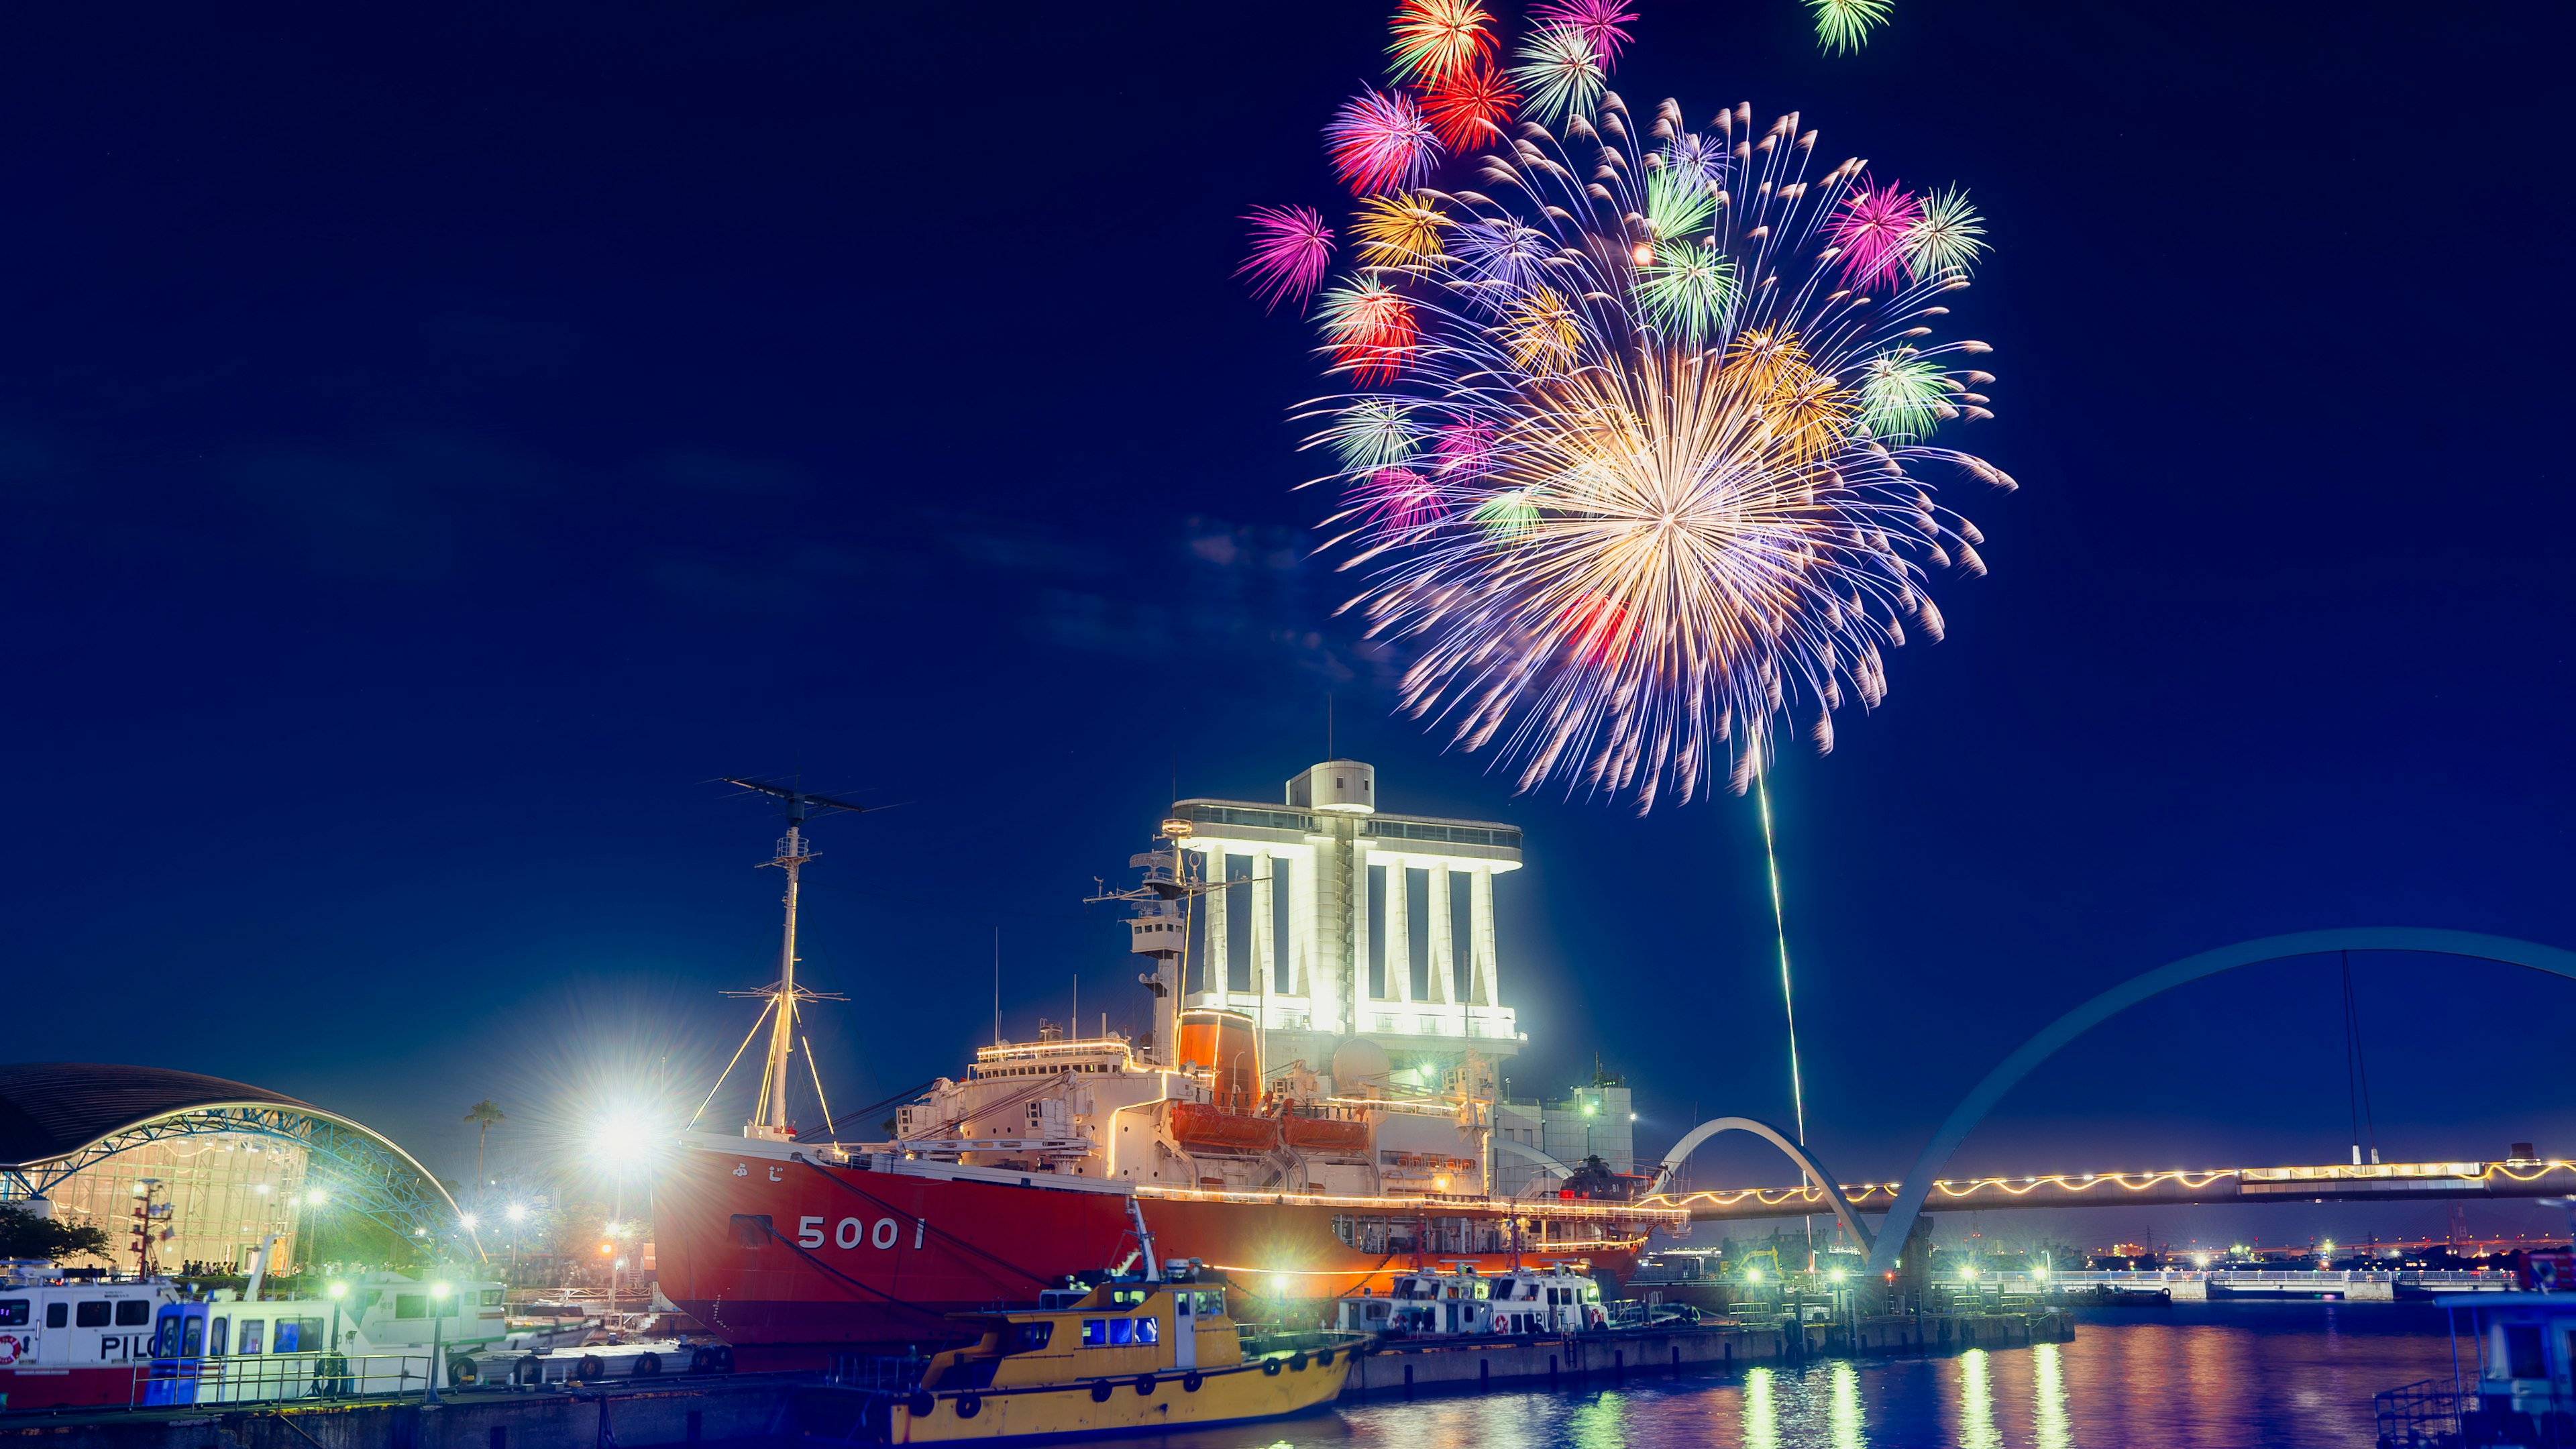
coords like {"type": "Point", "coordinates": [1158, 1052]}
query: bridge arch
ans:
{"type": "Point", "coordinates": [1531, 1154]}
{"type": "Point", "coordinates": [1972, 1109]}
{"type": "Point", "coordinates": [1805, 1159]}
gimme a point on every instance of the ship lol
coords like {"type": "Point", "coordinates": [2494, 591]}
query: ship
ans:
{"type": "Point", "coordinates": [1263, 1127]}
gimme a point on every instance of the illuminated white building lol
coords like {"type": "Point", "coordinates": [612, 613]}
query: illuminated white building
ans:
{"type": "Point", "coordinates": [1342, 920]}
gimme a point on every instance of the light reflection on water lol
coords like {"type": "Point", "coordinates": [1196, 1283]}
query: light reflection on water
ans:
{"type": "Point", "coordinates": [2185, 1377]}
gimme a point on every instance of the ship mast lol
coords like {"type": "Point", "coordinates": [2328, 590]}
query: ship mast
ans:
{"type": "Point", "coordinates": [769, 1109]}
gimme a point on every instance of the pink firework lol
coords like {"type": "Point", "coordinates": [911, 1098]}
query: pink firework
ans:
{"type": "Point", "coordinates": [1380, 142]}
{"type": "Point", "coordinates": [1464, 449]}
{"type": "Point", "coordinates": [1871, 228]}
{"type": "Point", "coordinates": [1291, 250]}
{"type": "Point", "coordinates": [1402, 499]}
{"type": "Point", "coordinates": [1603, 22]}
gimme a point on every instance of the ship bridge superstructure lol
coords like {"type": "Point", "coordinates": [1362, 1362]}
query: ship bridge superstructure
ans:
{"type": "Point", "coordinates": [1336, 918]}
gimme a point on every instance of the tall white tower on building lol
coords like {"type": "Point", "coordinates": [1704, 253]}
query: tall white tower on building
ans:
{"type": "Point", "coordinates": [1339, 920]}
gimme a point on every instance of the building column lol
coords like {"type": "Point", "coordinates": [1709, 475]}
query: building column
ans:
{"type": "Point", "coordinates": [1358, 934]}
{"type": "Point", "coordinates": [1216, 972]}
{"type": "Point", "coordinates": [1444, 955]}
{"type": "Point", "coordinates": [1484, 986]}
{"type": "Point", "coordinates": [1399, 932]}
{"type": "Point", "coordinates": [1265, 950]}
{"type": "Point", "coordinates": [1301, 929]}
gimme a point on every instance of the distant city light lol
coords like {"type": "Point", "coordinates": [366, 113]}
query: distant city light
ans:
{"type": "Point", "coordinates": [339, 1290]}
{"type": "Point", "coordinates": [516, 1212]}
{"type": "Point", "coordinates": [465, 1221]}
{"type": "Point", "coordinates": [1835, 1275]}
{"type": "Point", "coordinates": [315, 1198]}
{"type": "Point", "coordinates": [437, 1290]}
{"type": "Point", "coordinates": [1278, 1285]}
{"type": "Point", "coordinates": [2039, 1271]}
{"type": "Point", "coordinates": [2200, 1260]}
{"type": "Point", "coordinates": [1752, 1274]}
{"type": "Point", "coordinates": [1968, 1275]}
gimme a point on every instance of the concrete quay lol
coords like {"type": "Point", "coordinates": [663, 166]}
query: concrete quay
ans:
{"type": "Point", "coordinates": [710, 1410]}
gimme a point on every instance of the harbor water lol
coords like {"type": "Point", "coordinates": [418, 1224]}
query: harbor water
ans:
{"type": "Point", "coordinates": [2191, 1376]}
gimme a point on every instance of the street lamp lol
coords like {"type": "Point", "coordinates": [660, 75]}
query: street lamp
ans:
{"type": "Point", "coordinates": [437, 1339]}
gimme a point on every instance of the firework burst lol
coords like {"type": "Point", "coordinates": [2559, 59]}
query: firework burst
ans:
{"type": "Point", "coordinates": [1379, 142]}
{"type": "Point", "coordinates": [1560, 71]}
{"type": "Point", "coordinates": [1602, 23]}
{"type": "Point", "coordinates": [1872, 231]}
{"type": "Point", "coordinates": [1843, 25]}
{"type": "Point", "coordinates": [1292, 249]}
{"type": "Point", "coordinates": [1627, 462]}
{"type": "Point", "coordinates": [1470, 107]}
{"type": "Point", "coordinates": [1435, 39]}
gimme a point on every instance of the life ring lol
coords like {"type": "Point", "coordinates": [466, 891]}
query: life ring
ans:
{"type": "Point", "coordinates": [723, 1358]}
{"type": "Point", "coordinates": [647, 1365]}
{"type": "Point", "coordinates": [8, 1348]}
{"type": "Point", "coordinates": [1100, 1391]}
{"type": "Point", "coordinates": [592, 1366]}
{"type": "Point", "coordinates": [462, 1372]}
{"type": "Point", "coordinates": [969, 1405]}
{"type": "Point", "coordinates": [1270, 1366]}
{"type": "Point", "coordinates": [528, 1370]}
{"type": "Point", "coordinates": [921, 1404]}
{"type": "Point", "coordinates": [1190, 1382]}
{"type": "Point", "coordinates": [1144, 1386]}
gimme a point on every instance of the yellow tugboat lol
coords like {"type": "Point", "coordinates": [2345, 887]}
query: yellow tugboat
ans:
{"type": "Point", "coordinates": [1136, 1354]}
{"type": "Point", "coordinates": [1133, 1356]}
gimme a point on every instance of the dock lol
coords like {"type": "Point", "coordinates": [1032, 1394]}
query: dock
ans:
{"type": "Point", "coordinates": [1483, 1363]}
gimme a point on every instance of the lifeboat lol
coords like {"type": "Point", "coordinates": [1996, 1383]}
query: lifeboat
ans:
{"type": "Point", "coordinates": [1327, 1134]}
{"type": "Point", "coordinates": [1197, 1125]}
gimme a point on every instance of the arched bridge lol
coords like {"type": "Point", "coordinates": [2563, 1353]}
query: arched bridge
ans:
{"type": "Point", "coordinates": [1903, 1202]}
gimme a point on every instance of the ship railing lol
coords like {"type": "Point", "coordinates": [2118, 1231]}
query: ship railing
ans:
{"type": "Point", "coordinates": [875, 1373]}
{"type": "Point", "coordinates": [275, 1377]}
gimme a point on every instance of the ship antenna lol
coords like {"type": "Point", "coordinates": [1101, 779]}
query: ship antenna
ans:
{"type": "Point", "coordinates": [769, 1112]}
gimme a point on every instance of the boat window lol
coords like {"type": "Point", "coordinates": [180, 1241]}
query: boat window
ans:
{"type": "Point", "coordinates": [58, 1315]}
{"type": "Point", "coordinates": [134, 1313]}
{"type": "Point", "coordinates": [252, 1329]}
{"type": "Point", "coordinates": [2522, 1352]}
{"type": "Point", "coordinates": [1149, 1330]}
{"type": "Point", "coordinates": [1212, 1304]}
{"type": "Point", "coordinates": [216, 1336]}
{"type": "Point", "coordinates": [13, 1312]}
{"type": "Point", "coordinates": [192, 1342]}
{"type": "Point", "coordinates": [1122, 1331]}
{"type": "Point", "coordinates": [94, 1314]}
{"type": "Point", "coordinates": [411, 1305]}
{"type": "Point", "coordinates": [1030, 1337]}
{"type": "Point", "coordinates": [1095, 1333]}
{"type": "Point", "coordinates": [491, 1297]}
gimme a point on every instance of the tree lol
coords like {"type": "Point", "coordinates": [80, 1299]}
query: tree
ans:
{"type": "Point", "coordinates": [25, 1235]}
{"type": "Point", "coordinates": [483, 1115]}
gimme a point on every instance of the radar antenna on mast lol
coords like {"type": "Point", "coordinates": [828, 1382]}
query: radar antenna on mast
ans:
{"type": "Point", "coordinates": [769, 1110]}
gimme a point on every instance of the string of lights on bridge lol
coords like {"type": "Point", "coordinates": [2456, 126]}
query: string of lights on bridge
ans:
{"type": "Point", "coordinates": [2191, 1180]}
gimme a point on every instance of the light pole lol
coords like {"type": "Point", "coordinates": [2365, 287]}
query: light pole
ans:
{"type": "Point", "coordinates": [437, 1340]}
{"type": "Point", "coordinates": [517, 1213]}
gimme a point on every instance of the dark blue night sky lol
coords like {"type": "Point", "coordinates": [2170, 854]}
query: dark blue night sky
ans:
{"type": "Point", "coordinates": [435, 444]}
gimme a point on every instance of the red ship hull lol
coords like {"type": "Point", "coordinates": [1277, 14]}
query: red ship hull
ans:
{"type": "Point", "coordinates": [791, 1259]}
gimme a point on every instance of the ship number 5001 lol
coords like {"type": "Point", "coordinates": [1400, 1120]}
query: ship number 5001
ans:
{"type": "Point", "coordinates": [847, 1232]}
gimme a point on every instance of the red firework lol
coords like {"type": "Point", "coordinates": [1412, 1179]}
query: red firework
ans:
{"type": "Point", "coordinates": [1380, 142]}
{"type": "Point", "coordinates": [1471, 107]}
{"type": "Point", "coordinates": [1373, 330]}
{"type": "Point", "coordinates": [1870, 228]}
